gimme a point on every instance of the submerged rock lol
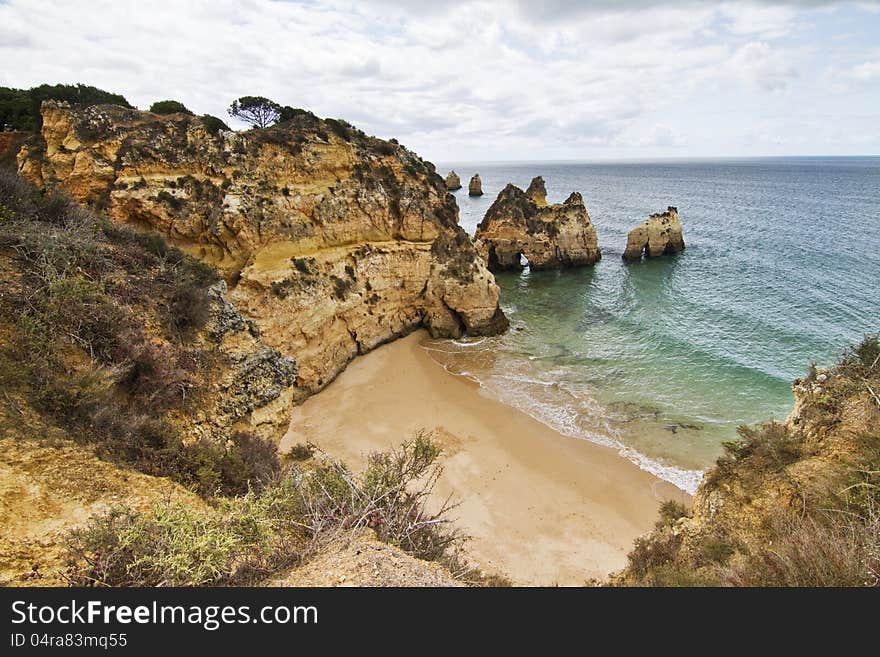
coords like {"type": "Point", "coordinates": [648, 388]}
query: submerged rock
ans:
{"type": "Point", "coordinates": [453, 182]}
{"type": "Point", "coordinates": [475, 187]}
{"type": "Point", "coordinates": [661, 234]}
{"type": "Point", "coordinates": [332, 242]}
{"type": "Point", "coordinates": [521, 225]}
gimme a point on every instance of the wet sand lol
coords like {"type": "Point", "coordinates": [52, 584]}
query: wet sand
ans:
{"type": "Point", "coordinates": [541, 508]}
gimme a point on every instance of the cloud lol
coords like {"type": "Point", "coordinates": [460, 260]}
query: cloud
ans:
{"type": "Point", "coordinates": [468, 79]}
{"type": "Point", "coordinates": [867, 71]}
{"type": "Point", "coordinates": [758, 63]}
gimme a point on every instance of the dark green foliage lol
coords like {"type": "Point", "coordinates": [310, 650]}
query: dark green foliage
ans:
{"type": "Point", "coordinates": [213, 124]}
{"type": "Point", "coordinates": [768, 448]}
{"type": "Point", "coordinates": [301, 452]}
{"type": "Point", "coordinates": [258, 111]}
{"type": "Point", "coordinates": [169, 107]}
{"type": "Point", "coordinates": [341, 287]}
{"type": "Point", "coordinates": [864, 357]}
{"type": "Point", "coordinates": [287, 113]}
{"type": "Point", "coordinates": [341, 129]}
{"type": "Point", "coordinates": [670, 511]}
{"type": "Point", "coordinates": [20, 108]}
{"type": "Point", "coordinates": [170, 200]}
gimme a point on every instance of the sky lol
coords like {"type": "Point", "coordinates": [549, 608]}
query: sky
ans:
{"type": "Point", "coordinates": [487, 80]}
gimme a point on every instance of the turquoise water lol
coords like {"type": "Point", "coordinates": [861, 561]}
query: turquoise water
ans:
{"type": "Point", "coordinates": [663, 359]}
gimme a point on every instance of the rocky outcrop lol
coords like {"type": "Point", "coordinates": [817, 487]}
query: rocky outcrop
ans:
{"type": "Point", "coordinates": [453, 182]}
{"type": "Point", "coordinates": [332, 242]}
{"type": "Point", "coordinates": [475, 186]}
{"type": "Point", "coordinates": [661, 234]}
{"type": "Point", "coordinates": [537, 192]}
{"type": "Point", "coordinates": [549, 236]}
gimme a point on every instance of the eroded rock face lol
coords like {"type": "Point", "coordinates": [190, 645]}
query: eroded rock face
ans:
{"type": "Point", "coordinates": [661, 234]}
{"type": "Point", "coordinates": [332, 242]}
{"type": "Point", "coordinates": [453, 182]}
{"type": "Point", "coordinates": [537, 191]}
{"type": "Point", "coordinates": [475, 186]}
{"type": "Point", "coordinates": [549, 236]}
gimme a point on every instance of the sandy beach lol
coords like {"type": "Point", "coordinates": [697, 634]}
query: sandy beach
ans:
{"type": "Point", "coordinates": [541, 508]}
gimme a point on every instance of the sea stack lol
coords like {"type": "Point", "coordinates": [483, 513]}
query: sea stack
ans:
{"type": "Point", "coordinates": [537, 192]}
{"type": "Point", "coordinates": [475, 187]}
{"type": "Point", "coordinates": [661, 234]}
{"type": "Point", "coordinates": [453, 182]}
{"type": "Point", "coordinates": [521, 224]}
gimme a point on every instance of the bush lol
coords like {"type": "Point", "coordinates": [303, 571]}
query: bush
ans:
{"type": "Point", "coordinates": [20, 108]}
{"type": "Point", "coordinates": [670, 511]}
{"type": "Point", "coordinates": [172, 545]}
{"type": "Point", "coordinates": [301, 452]}
{"type": "Point", "coordinates": [769, 447]}
{"type": "Point", "coordinates": [250, 462]}
{"type": "Point", "coordinates": [388, 496]}
{"type": "Point", "coordinates": [169, 107]}
{"type": "Point", "coordinates": [652, 552]}
{"type": "Point", "coordinates": [830, 550]}
{"type": "Point", "coordinates": [83, 360]}
{"type": "Point", "coordinates": [213, 124]}
{"type": "Point", "coordinates": [248, 537]}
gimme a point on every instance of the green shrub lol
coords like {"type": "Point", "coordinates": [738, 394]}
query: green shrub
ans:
{"type": "Point", "coordinates": [20, 108]}
{"type": "Point", "coordinates": [652, 552]}
{"type": "Point", "coordinates": [169, 199]}
{"type": "Point", "coordinates": [213, 124]}
{"type": "Point", "coordinates": [246, 538]}
{"type": "Point", "coordinates": [172, 545]}
{"type": "Point", "coordinates": [301, 452]}
{"type": "Point", "coordinates": [670, 511]}
{"type": "Point", "coordinates": [386, 497]}
{"type": "Point", "coordinates": [169, 107]}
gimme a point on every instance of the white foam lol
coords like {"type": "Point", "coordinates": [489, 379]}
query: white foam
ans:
{"type": "Point", "coordinates": [565, 421]}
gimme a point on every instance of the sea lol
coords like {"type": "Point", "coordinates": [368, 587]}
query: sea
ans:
{"type": "Point", "coordinates": [663, 359]}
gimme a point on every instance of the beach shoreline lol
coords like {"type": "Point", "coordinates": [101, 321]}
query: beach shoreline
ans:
{"type": "Point", "coordinates": [541, 508]}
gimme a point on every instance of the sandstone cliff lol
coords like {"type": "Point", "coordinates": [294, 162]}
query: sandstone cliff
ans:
{"type": "Point", "coordinates": [453, 182]}
{"type": "Point", "coordinates": [661, 234]}
{"type": "Point", "coordinates": [132, 389]}
{"type": "Point", "coordinates": [475, 186]}
{"type": "Point", "coordinates": [549, 236]}
{"type": "Point", "coordinates": [332, 242]}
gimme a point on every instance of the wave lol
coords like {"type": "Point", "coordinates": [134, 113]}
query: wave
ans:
{"type": "Point", "coordinates": [566, 419]}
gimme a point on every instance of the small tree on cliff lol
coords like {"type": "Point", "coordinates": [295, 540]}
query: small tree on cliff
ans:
{"type": "Point", "coordinates": [256, 110]}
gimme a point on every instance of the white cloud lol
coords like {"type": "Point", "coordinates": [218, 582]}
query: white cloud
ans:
{"type": "Point", "coordinates": [867, 71]}
{"type": "Point", "coordinates": [758, 63]}
{"type": "Point", "coordinates": [470, 79]}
